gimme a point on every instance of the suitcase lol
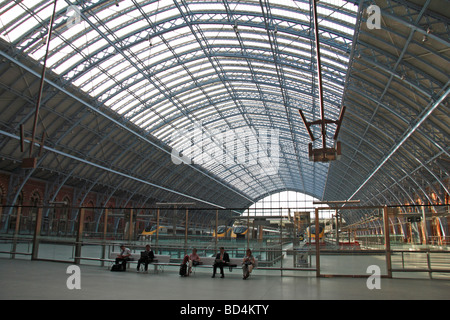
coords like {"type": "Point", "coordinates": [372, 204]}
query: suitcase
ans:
{"type": "Point", "coordinates": [117, 267]}
{"type": "Point", "coordinates": [183, 270]}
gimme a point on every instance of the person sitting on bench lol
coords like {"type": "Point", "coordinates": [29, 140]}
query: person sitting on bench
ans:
{"type": "Point", "coordinates": [247, 264]}
{"type": "Point", "coordinates": [222, 259]}
{"type": "Point", "coordinates": [194, 260]}
{"type": "Point", "coordinates": [123, 257]}
{"type": "Point", "coordinates": [147, 257]}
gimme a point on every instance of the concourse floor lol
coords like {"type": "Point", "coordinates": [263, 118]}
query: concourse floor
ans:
{"type": "Point", "coordinates": [41, 280]}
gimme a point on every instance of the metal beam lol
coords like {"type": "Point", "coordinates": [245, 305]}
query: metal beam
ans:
{"type": "Point", "coordinates": [425, 114]}
{"type": "Point", "coordinates": [117, 123]}
{"type": "Point", "coordinates": [86, 162]}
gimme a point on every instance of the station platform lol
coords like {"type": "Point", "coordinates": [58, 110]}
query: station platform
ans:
{"type": "Point", "coordinates": [41, 280]}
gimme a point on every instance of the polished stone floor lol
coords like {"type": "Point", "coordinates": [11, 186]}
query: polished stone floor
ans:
{"type": "Point", "coordinates": [25, 279]}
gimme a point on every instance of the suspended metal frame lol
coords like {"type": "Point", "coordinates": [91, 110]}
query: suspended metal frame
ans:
{"type": "Point", "coordinates": [323, 154]}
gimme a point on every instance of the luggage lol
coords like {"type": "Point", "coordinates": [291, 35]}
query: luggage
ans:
{"type": "Point", "coordinates": [183, 270]}
{"type": "Point", "coordinates": [117, 267]}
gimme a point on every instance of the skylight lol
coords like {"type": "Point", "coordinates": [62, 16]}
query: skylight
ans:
{"type": "Point", "coordinates": [165, 69]}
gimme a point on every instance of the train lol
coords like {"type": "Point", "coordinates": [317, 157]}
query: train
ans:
{"type": "Point", "coordinates": [168, 230]}
{"type": "Point", "coordinates": [222, 232]}
{"type": "Point", "coordinates": [151, 231]}
{"type": "Point", "coordinates": [311, 233]}
{"type": "Point", "coordinates": [239, 232]}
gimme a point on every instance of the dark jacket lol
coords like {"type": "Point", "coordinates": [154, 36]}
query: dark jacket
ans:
{"type": "Point", "coordinates": [150, 256]}
{"type": "Point", "coordinates": [226, 258]}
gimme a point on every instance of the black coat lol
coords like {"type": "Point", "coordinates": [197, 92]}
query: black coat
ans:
{"type": "Point", "coordinates": [226, 257]}
{"type": "Point", "coordinates": [150, 256]}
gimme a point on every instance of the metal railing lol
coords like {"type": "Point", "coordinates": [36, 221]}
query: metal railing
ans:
{"type": "Point", "coordinates": [71, 235]}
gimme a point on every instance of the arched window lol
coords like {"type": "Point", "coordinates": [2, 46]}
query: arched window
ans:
{"type": "Point", "coordinates": [282, 203]}
{"type": "Point", "coordinates": [89, 218]}
{"type": "Point", "coordinates": [61, 217]}
{"type": "Point", "coordinates": [109, 221]}
{"type": "Point", "coordinates": [30, 217]}
{"type": "Point", "coordinates": [289, 211]}
{"type": "Point", "coordinates": [35, 199]}
{"type": "Point", "coordinates": [13, 217]}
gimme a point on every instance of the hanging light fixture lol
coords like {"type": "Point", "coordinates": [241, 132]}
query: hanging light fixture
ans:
{"type": "Point", "coordinates": [323, 154]}
{"type": "Point", "coordinates": [31, 161]}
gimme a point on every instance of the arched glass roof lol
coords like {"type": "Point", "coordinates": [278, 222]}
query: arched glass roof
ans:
{"type": "Point", "coordinates": [221, 81]}
{"type": "Point", "coordinates": [224, 65]}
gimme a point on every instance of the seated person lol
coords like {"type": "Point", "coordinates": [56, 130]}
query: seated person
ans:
{"type": "Point", "coordinates": [147, 257]}
{"type": "Point", "coordinates": [222, 259]}
{"type": "Point", "coordinates": [247, 264]}
{"type": "Point", "coordinates": [123, 257]}
{"type": "Point", "coordinates": [194, 260]}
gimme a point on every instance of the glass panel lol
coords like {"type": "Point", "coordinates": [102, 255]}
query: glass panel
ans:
{"type": "Point", "coordinates": [349, 248]}
{"type": "Point", "coordinates": [16, 231]}
{"type": "Point", "coordinates": [419, 237]}
{"type": "Point", "coordinates": [57, 234]}
{"type": "Point", "coordinates": [281, 233]}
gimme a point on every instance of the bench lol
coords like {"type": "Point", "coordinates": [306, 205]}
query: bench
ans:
{"type": "Point", "coordinates": [158, 262]}
{"type": "Point", "coordinates": [162, 260]}
{"type": "Point", "coordinates": [208, 262]}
